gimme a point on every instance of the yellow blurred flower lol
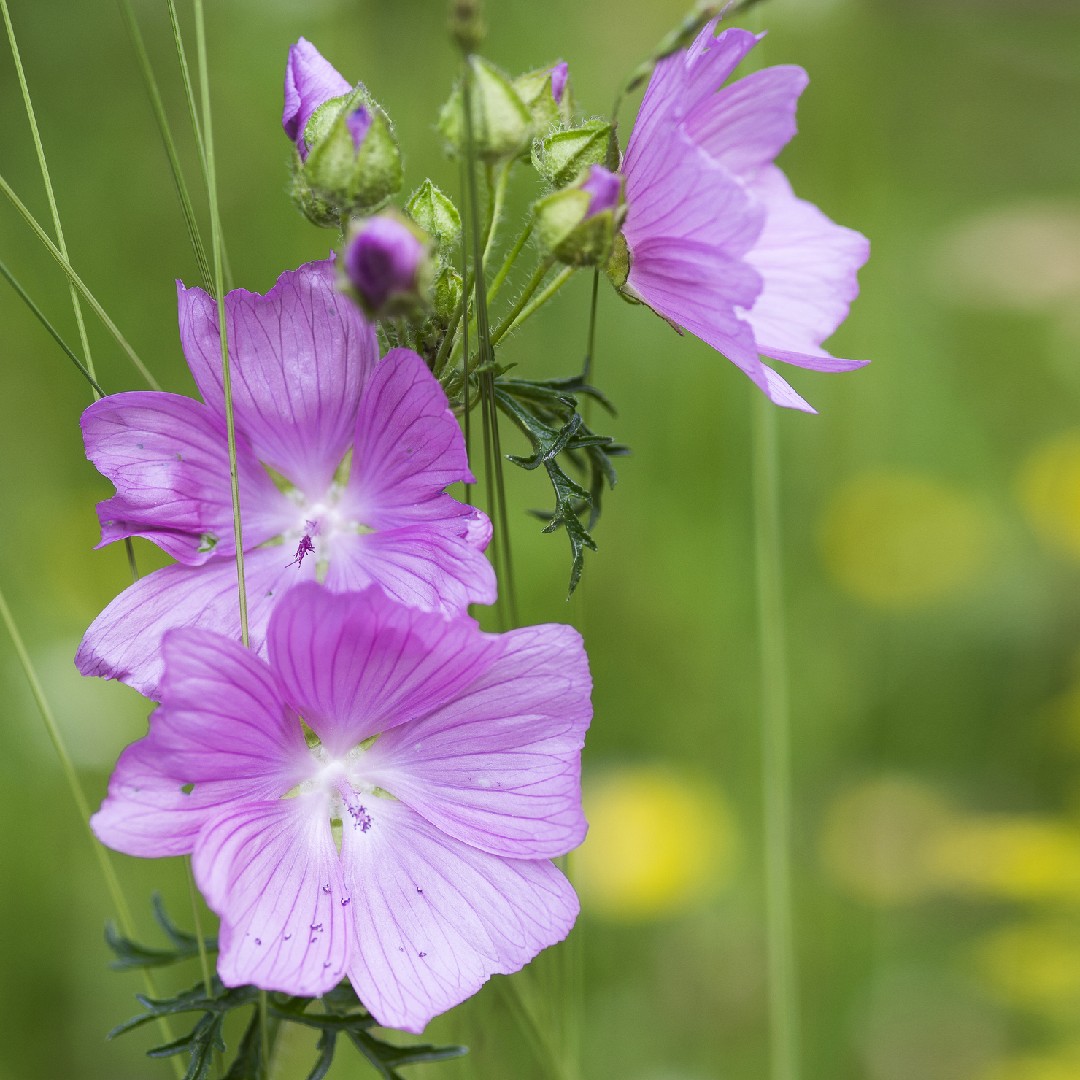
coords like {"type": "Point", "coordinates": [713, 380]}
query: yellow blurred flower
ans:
{"type": "Point", "coordinates": [877, 835]}
{"type": "Point", "coordinates": [899, 540]}
{"type": "Point", "coordinates": [1063, 1065]}
{"type": "Point", "coordinates": [1048, 487]}
{"type": "Point", "coordinates": [659, 842]}
{"type": "Point", "coordinates": [1014, 857]}
{"type": "Point", "coordinates": [1035, 964]}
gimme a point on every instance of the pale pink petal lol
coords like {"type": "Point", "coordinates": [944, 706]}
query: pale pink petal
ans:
{"type": "Point", "coordinates": [435, 918]}
{"type": "Point", "coordinates": [748, 123]}
{"type": "Point", "coordinates": [682, 80]}
{"type": "Point", "coordinates": [299, 358]}
{"type": "Point", "coordinates": [272, 872]}
{"type": "Point", "coordinates": [433, 565]}
{"type": "Point", "coordinates": [124, 641]}
{"type": "Point", "coordinates": [499, 766]}
{"type": "Point", "coordinates": [223, 736]}
{"type": "Point", "coordinates": [359, 663]}
{"type": "Point", "coordinates": [808, 265]}
{"type": "Point", "coordinates": [168, 457]}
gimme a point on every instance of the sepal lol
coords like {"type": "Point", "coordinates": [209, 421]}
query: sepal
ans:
{"type": "Point", "coordinates": [561, 157]}
{"type": "Point", "coordinates": [501, 122]}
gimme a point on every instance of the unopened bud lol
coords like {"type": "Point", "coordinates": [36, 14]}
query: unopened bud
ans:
{"type": "Point", "coordinates": [500, 121]}
{"type": "Point", "coordinates": [546, 94]}
{"type": "Point", "coordinates": [388, 266]}
{"type": "Point", "coordinates": [447, 293]}
{"type": "Point", "coordinates": [578, 224]}
{"type": "Point", "coordinates": [310, 81]}
{"type": "Point", "coordinates": [561, 157]}
{"type": "Point", "coordinates": [466, 26]}
{"type": "Point", "coordinates": [436, 214]}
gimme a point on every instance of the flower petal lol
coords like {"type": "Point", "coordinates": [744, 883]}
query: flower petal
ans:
{"type": "Point", "coordinates": [499, 767]}
{"type": "Point", "coordinates": [748, 123]}
{"type": "Point", "coordinates": [124, 641]}
{"type": "Point", "coordinates": [222, 728]}
{"type": "Point", "coordinates": [808, 267]}
{"type": "Point", "coordinates": [310, 81]}
{"type": "Point", "coordinates": [356, 664]}
{"type": "Point", "coordinates": [271, 871]}
{"type": "Point", "coordinates": [684, 79]}
{"type": "Point", "coordinates": [168, 457]}
{"type": "Point", "coordinates": [408, 445]}
{"type": "Point", "coordinates": [435, 918]}
{"type": "Point", "coordinates": [432, 565]}
{"type": "Point", "coordinates": [299, 358]}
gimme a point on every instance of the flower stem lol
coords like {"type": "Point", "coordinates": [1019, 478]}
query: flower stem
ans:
{"type": "Point", "coordinates": [527, 310]}
{"type": "Point", "coordinates": [784, 1024]}
{"type": "Point", "coordinates": [112, 883]}
{"type": "Point", "coordinates": [508, 262]}
{"type": "Point", "coordinates": [226, 373]}
{"type": "Point", "coordinates": [523, 299]}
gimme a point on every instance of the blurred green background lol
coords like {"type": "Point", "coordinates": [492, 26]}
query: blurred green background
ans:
{"type": "Point", "coordinates": [932, 545]}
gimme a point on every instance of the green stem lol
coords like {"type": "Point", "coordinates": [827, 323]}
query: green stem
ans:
{"type": "Point", "coordinates": [541, 1044]}
{"type": "Point", "coordinates": [226, 373]}
{"type": "Point", "coordinates": [498, 198]}
{"type": "Point", "coordinates": [43, 165]}
{"type": "Point", "coordinates": [167, 140]}
{"type": "Point", "coordinates": [77, 281]}
{"type": "Point", "coordinates": [527, 311]}
{"type": "Point", "coordinates": [40, 316]}
{"type": "Point", "coordinates": [189, 92]}
{"type": "Point", "coordinates": [508, 262]}
{"type": "Point", "coordinates": [526, 295]}
{"type": "Point", "coordinates": [112, 883]}
{"type": "Point", "coordinates": [784, 1022]}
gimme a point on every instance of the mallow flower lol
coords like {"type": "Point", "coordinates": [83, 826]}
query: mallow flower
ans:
{"type": "Point", "coordinates": [310, 82]}
{"type": "Point", "coordinates": [380, 800]}
{"type": "Point", "coordinates": [342, 460]}
{"type": "Point", "coordinates": [715, 240]}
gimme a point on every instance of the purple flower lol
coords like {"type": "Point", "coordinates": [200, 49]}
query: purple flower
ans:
{"type": "Point", "coordinates": [310, 81]}
{"type": "Point", "coordinates": [718, 244]}
{"type": "Point", "coordinates": [342, 462]}
{"type": "Point", "coordinates": [384, 262]}
{"type": "Point", "coordinates": [405, 841]}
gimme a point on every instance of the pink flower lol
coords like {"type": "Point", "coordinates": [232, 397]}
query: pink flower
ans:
{"type": "Point", "coordinates": [405, 842]}
{"type": "Point", "coordinates": [362, 451]}
{"type": "Point", "coordinates": [311, 81]}
{"type": "Point", "coordinates": [718, 243]}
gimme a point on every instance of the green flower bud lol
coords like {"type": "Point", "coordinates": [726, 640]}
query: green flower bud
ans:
{"type": "Point", "coordinates": [436, 214]}
{"type": "Point", "coordinates": [546, 94]}
{"type": "Point", "coordinates": [561, 157]}
{"type": "Point", "coordinates": [447, 292]}
{"type": "Point", "coordinates": [353, 164]}
{"type": "Point", "coordinates": [578, 224]}
{"type": "Point", "coordinates": [500, 121]}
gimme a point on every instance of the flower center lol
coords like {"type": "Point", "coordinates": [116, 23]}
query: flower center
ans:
{"type": "Point", "coordinates": [318, 525]}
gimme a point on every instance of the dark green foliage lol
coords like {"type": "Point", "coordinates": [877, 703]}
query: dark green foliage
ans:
{"type": "Point", "coordinates": [342, 1014]}
{"type": "Point", "coordinates": [547, 413]}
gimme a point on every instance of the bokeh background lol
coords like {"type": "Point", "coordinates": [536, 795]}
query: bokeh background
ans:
{"type": "Point", "coordinates": [931, 538]}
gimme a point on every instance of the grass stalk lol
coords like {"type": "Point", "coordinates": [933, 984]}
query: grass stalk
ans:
{"type": "Point", "coordinates": [167, 141]}
{"type": "Point", "coordinates": [784, 1020]}
{"type": "Point", "coordinates": [77, 281]}
{"type": "Point", "coordinates": [219, 294]}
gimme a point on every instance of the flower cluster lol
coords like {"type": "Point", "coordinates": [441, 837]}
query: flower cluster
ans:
{"type": "Point", "coordinates": [375, 788]}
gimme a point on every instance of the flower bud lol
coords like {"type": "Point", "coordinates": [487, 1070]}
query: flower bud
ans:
{"type": "Point", "coordinates": [500, 120]}
{"type": "Point", "coordinates": [578, 224]}
{"type": "Point", "coordinates": [561, 157]}
{"type": "Point", "coordinates": [436, 214]}
{"type": "Point", "coordinates": [447, 293]}
{"type": "Point", "coordinates": [388, 266]}
{"type": "Point", "coordinates": [310, 81]}
{"type": "Point", "coordinates": [348, 160]}
{"type": "Point", "coordinates": [546, 94]}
